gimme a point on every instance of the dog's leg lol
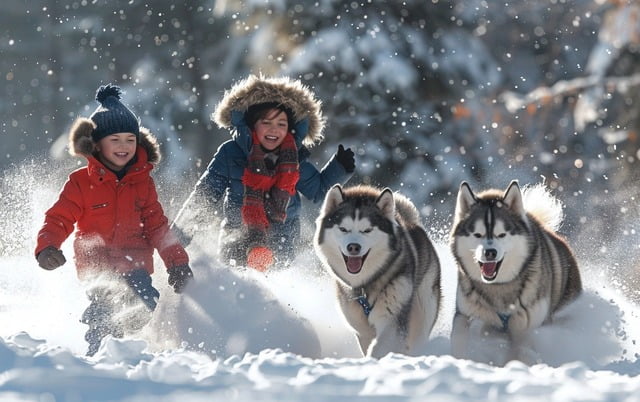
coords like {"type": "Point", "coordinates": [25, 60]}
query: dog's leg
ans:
{"type": "Point", "coordinates": [365, 339]}
{"type": "Point", "coordinates": [521, 349]}
{"type": "Point", "coordinates": [356, 319]}
{"type": "Point", "coordinates": [460, 335]}
{"type": "Point", "coordinates": [389, 339]}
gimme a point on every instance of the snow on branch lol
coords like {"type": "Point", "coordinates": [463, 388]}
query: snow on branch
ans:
{"type": "Point", "coordinates": [544, 95]}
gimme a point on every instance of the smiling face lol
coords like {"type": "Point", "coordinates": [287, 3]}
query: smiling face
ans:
{"type": "Point", "coordinates": [493, 255]}
{"type": "Point", "coordinates": [355, 234]}
{"type": "Point", "coordinates": [116, 150]}
{"type": "Point", "coordinates": [271, 129]}
{"type": "Point", "coordinates": [490, 234]}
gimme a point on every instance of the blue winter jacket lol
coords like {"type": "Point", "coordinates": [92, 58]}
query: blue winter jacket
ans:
{"type": "Point", "coordinates": [222, 189]}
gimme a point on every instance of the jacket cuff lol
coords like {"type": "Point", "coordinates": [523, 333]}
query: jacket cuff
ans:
{"type": "Point", "coordinates": [173, 256]}
{"type": "Point", "coordinates": [333, 168]}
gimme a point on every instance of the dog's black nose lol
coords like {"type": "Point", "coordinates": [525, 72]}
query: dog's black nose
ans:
{"type": "Point", "coordinates": [353, 248]}
{"type": "Point", "coordinates": [490, 253]}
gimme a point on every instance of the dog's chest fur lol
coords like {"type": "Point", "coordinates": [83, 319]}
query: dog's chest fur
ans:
{"type": "Point", "coordinates": [387, 297]}
{"type": "Point", "coordinates": [523, 306]}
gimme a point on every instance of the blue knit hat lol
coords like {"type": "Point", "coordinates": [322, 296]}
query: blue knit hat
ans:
{"type": "Point", "coordinates": [112, 116]}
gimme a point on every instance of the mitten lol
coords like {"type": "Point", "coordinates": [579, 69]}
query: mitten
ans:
{"type": "Point", "coordinates": [50, 258]}
{"type": "Point", "coordinates": [346, 158]}
{"type": "Point", "coordinates": [179, 277]}
{"type": "Point", "coordinates": [260, 258]}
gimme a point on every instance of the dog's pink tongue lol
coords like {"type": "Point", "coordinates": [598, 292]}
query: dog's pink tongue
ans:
{"type": "Point", "coordinates": [354, 264]}
{"type": "Point", "coordinates": [489, 268]}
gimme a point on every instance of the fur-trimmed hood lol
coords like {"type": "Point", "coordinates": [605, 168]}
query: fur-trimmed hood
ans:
{"type": "Point", "coordinates": [81, 144]}
{"type": "Point", "coordinates": [289, 92]}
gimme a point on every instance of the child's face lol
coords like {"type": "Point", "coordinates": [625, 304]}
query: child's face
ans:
{"type": "Point", "coordinates": [116, 150]}
{"type": "Point", "coordinates": [271, 129]}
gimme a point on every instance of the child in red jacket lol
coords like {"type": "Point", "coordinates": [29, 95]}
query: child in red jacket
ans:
{"type": "Point", "coordinates": [118, 219]}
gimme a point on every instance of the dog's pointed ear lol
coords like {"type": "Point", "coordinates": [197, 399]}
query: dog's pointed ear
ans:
{"type": "Point", "coordinates": [466, 199]}
{"type": "Point", "coordinates": [512, 198]}
{"type": "Point", "coordinates": [333, 198]}
{"type": "Point", "coordinates": [387, 204]}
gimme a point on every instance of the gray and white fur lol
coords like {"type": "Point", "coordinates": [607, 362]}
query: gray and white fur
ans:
{"type": "Point", "coordinates": [514, 270]}
{"type": "Point", "coordinates": [386, 269]}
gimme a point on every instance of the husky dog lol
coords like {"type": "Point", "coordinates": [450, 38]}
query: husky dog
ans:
{"type": "Point", "coordinates": [514, 271]}
{"type": "Point", "coordinates": [386, 269]}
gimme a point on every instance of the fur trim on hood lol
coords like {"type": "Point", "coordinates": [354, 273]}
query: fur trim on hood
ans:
{"type": "Point", "coordinates": [81, 144]}
{"type": "Point", "coordinates": [289, 92]}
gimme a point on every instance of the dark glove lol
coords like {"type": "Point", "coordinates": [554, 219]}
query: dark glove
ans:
{"type": "Point", "coordinates": [50, 258]}
{"type": "Point", "coordinates": [346, 158]}
{"type": "Point", "coordinates": [179, 277]}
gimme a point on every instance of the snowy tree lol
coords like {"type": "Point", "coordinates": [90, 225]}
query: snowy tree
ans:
{"type": "Point", "coordinates": [427, 93]}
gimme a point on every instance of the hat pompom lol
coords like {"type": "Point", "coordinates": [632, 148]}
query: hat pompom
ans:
{"type": "Point", "coordinates": [112, 116]}
{"type": "Point", "coordinates": [106, 91]}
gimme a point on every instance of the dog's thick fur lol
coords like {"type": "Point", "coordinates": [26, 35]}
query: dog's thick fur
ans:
{"type": "Point", "coordinates": [386, 269]}
{"type": "Point", "coordinates": [514, 271]}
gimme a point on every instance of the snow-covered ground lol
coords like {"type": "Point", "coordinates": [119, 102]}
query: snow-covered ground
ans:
{"type": "Point", "coordinates": [244, 335]}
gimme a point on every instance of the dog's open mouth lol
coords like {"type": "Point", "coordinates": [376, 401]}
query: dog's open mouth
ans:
{"type": "Point", "coordinates": [489, 269]}
{"type": "Point", "coordinates": [354, 263]}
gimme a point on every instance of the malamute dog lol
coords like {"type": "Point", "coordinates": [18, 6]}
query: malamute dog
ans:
{"type": "Point", "coordinates": [514, 271]}
{"type": "Point", "coordinates": [386, 269]}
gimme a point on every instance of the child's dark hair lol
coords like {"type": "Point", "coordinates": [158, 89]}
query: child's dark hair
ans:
{"type": "Point", "coordinates": [260, 110]}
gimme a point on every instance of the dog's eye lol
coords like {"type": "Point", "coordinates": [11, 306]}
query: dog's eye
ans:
{"type": "Point", "coordinates": [367, 230]}
{"type": "Point", "coordinates": [477, 235]}
{"type": "Point", "coordinates": [343, 229]}
{"type": "Point", "coordinates": [501, 235]}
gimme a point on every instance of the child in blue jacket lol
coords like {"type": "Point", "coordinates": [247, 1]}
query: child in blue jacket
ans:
{"type": "Point", "coordinates": [252, 186]}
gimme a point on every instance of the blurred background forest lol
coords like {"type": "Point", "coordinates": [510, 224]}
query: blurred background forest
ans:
{"type": "Point", "coordinates": [428, 93]}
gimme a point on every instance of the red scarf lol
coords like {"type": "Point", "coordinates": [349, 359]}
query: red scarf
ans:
{"type": "Point", "coordinates": [267, 191]}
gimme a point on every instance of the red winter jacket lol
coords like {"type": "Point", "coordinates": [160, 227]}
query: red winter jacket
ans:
{"type": "Point", "coordinates": [119, 223]}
